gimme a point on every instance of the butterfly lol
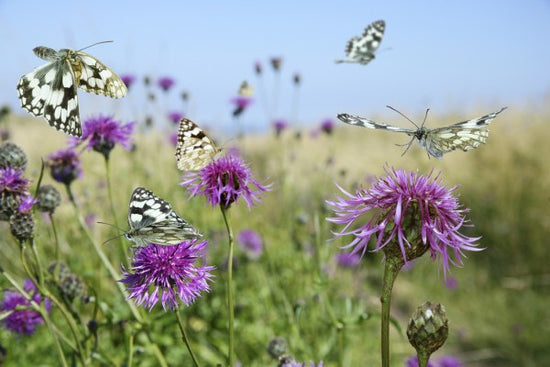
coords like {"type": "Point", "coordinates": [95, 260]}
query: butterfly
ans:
{"type": "Point", "coordinates": [51, 90]}
{"type": "Point", "coordinates": [438, 141]}
{"type": "Point", "coordinates": [152, 220]}
{"type": "Point", "coordinates": [360, 49]}
{"type": "Point", "coordinates": [194, 149]}
{"type": "Point", "coordinates": [246, 90]}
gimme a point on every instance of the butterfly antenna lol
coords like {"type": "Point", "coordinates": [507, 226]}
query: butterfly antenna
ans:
{"type": "Point", "coordinates": [425, 117]}
{"type": "Point", "coordinates": [399, 112]}
{"type": "Point", "coordinates": [114, 238]}
{"type": "Point", "coordinates": [408, 145]}
{"type": "Point", "coordinates": [97, 43]}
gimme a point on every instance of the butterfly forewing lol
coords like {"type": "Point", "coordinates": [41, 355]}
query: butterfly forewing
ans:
{"type": "Point", "coordinates": [361, 49]}
{"type": "Point", "coordinates": [464, 135]}
{"type": "Point", "coordinates": [152, 220]}
{"type": "Point", "coordinates": [194, 149]}
{"type": "Point", "coordinates": [51, 90]}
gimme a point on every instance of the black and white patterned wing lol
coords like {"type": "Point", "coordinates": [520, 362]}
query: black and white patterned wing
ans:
{"type": "Point", "coordinates": [152, 220]}
{"type": "Point", "coordinates": [95, 77]}
{"type": "Point", "coordinates": [194, 149]}
{"type": "Point", "coordinates": [50, 91]}
{"type": "Point", "coordinates": [361, 49]}
{"type": "Point", "coordinates": [364, 122]}
{"type": "Point", "coordinates": [464, 135]}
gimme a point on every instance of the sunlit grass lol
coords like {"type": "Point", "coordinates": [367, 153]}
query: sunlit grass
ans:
{"type": "Point", "coordinates": [498, 312]}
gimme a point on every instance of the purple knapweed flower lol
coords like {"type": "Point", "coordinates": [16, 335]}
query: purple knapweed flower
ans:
{"type": "Point", "coordinates": [279, 126]}
{"type": "Point", "coordinates": [103, 133]}
{"type": "Point", "coordinates": [175, 116]}
{"type": "Point", "coordinates": [348, 259]}
{"type": "Point", "coordinates": [128, 79]}
{"type": "Point", "coordinates": [65, 165]}
{"type": "Point", "coordinates": [250, 243]}
{"type": "Point", "coordinates": [22, 321]}
{"type": "Point", "coordinates": [168, 274]}
{"type": "Point", "coordinates": [408, 212]}
{"type": "Point", "coordinates": [327, 126]}
{"type": "Point", "coordinates": [224, 181]}
{"type": "Point", "coordinates": [166, 83]}
{"type": "Point", "coordinates": [413, 362]}
{"type": "Point", "coordinates": [27, 202]}
{"type": "Point", "coordinates": [241, 103]}
{"type": "Point", "coordinates": [12, 180]}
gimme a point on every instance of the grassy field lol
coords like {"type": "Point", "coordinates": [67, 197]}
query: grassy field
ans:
{"type": "Point", "coordinates": [498, 312]}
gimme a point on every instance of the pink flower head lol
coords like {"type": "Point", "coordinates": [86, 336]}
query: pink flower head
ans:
{"type": "Point", "coordinates": [104, 133]}
{"type": "Point", "coordinates": [401, 208]}
{"type": "Point", "coordinates": [224, 181]}
{"type": "Point", "coordinates": [166, 83]}
{"type": "Point", "coordinates": [65, 165]}
{"type": "Point", "coordinates": [168, 274]}
{"type": "Point", "coordinates": [128, 79]}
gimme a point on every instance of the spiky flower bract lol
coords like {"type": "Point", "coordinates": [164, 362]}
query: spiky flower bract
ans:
{"type": "Point", "coordinates": [408, 213]}
{"type": "Point", "coordinates": [103, 133]}
{"type": "Point", "coordinates": [224, 181]}
{"type": "Point", "coordinates": [65, 165]}
{"type": "Point", "coordinates": [168, 274]}
{"type": "Point", "coordinates": [22, 320]}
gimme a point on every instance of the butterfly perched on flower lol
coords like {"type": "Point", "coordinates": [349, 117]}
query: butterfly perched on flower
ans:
{"type": "Point", "coordinates": [361, 49]}
{"type": "Point", "coordinates": [246, 90]}
{"type": "Point", "coordinates": [194, 149]}
{"type": "Point", "coordinates": [51, 90]}
{"type": "Point", "coordinates": [464, 135]}
{"type": "Point", "coordinates": [152, 220]}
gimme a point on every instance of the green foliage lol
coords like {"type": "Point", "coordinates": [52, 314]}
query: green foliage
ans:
{"type": "Point", "coordinates": [498, 313]}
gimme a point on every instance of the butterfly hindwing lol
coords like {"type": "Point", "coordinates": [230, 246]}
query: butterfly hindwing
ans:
{"type": "Point", "coordinates": [194, 149]}
{"type": "Point", "coordinates": [51, 90]}
{"type": "Point", "coordinates": [361, 49]}
{"type": "Point", "coordinates": [152, 220]}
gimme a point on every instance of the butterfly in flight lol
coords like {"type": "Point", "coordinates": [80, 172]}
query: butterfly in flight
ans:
{"type": "Point", "coordinates": [51, 90]}
{"type": "Point", "coordinates": [152, 220]}
{"type": "Point", "coordinates": [361, 49]}
{"type": "Point", "coordinates": [464, 135]}
{"type": "Point", "coordinates": [194, 149]}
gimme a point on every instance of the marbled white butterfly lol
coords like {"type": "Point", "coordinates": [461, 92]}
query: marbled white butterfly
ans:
{"type": "Point", "coordinates": [361, 49]}
{"type": "Point", "coordinates": [152, 220]}
{"type": "Point", "coordinates": [194, 149]}
{"type": "Point", "coordinates": [438, 141]}
{"type": "Point", "coordinates": [51, 90]}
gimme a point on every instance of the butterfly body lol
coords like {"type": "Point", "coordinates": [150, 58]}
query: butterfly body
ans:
{"type": "Point", "coordinates": [152, 220]}
{"type": "Point", "coordinates": [464, 135]}
{"type": "Point", "coordinates": [361, 49]}
{"type": "Point", "coordinates": [51, 90]}
{"type": "Point", "coordinates": [194, 149]}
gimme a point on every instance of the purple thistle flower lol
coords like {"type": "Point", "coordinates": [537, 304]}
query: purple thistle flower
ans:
{"type": "Point", "coordinates": [250, 243]}
{"type": "Point", "coordinates": [167, 274]}
{"type": "Point", "coordinates": [413, 362]}
{"type": "Point", "coordinates": [241, 103]}
{"type": "Point", "coordinates": [279, 126]}
{"type": "Point", "coordinates": [128, 79]}
{"type": "Point", "coordinates": [175, 117]}
{"type": "Point", "coordinates": [327, 126]}
{"type": "Point", "coordinates": [104, 132]}
{"type": "Point", "coordinates": [409, 210]}
{"type": "Point", "coordinates": [224, 181]}
{"type": "Point", "coordinates": [22, 321]}
{"type": "Point", "coordinates": [11, 180]}
{"type": "Point", "coordinates": [348, 259]}
{"type": "Point", "coordinates": [27, 202]}
{"type": "Point", "coordinates": [166, 83]}
{"type": "Point", "coordinates": [65, 165]}
{"type": "Point", "coordinates": [448, 361]}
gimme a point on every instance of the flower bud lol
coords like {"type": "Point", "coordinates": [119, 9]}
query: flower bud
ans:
{"type": "Point", "coordinates": [428, 328]}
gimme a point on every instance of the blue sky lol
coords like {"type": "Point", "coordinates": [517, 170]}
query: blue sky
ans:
{"type": "Point", "coordinates": [457, 56]}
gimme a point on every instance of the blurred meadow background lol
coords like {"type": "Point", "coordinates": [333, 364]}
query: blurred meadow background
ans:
{"type": "Point", "coordinates": [461, 60]}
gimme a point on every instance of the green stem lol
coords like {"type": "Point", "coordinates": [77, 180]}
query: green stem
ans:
{"type": "Point", "coordinates": [123, 247]}
{"type": "Point", "coordinates": [227, 220]}
{"type": "Point", "coordinates": [186, 339]}
{"type": "Point", "coordinates": [57, 255]}
{"type": "Point", "coordinates": [423, 358]}
{"type": "Point", "coordinates": [391, 270]}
